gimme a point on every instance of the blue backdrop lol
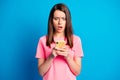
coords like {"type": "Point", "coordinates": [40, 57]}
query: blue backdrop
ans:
{"type": "Point", "coordinates": [97, 22]}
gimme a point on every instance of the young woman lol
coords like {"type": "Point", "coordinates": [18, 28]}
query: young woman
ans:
{"type": "Point", "coordinates": [59, 60]}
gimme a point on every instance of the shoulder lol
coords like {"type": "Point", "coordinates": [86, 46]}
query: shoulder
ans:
{"type": "Point", "coordinates": [42, 39]}
{"type": "Point", "coordinates": [76, 38]}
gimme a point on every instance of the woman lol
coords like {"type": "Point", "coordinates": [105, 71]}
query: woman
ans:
{"type": "Point", "coordinates": [59, 52]}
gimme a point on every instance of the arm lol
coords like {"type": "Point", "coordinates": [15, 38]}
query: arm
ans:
{"type": "Point", "coordinates": [74, 64]}
{"type": "Point", "coordinates": [44, 64]}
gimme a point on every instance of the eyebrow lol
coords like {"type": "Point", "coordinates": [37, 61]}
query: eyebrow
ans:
{"type": "Point", "coordinates": [58, 17]}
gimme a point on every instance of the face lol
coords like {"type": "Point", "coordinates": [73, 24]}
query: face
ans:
{"type": "Point", "coordinates": [59, 21]}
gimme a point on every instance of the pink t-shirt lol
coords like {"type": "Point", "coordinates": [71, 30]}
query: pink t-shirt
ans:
{"type": "Point", "coordinates": [59, 70]}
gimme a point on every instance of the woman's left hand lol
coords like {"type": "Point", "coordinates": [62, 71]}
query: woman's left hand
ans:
{"type": "Point", "coordinates": [63, 52]}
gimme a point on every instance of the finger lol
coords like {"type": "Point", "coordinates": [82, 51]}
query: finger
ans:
{"type": "Point", "coordinates": [62, 53]}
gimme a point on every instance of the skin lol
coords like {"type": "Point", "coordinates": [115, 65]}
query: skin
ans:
{"type": "Point", "coordinates": [74, 63]}
{"type": "Point", "coordinates": [59, 19]}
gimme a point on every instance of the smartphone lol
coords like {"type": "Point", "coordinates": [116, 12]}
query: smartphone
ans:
{"type": "Point", "coordinates": [60, 44]}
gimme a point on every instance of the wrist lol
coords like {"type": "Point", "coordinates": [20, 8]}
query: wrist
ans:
{"type": "Point", "coordinates": [53, 55]}
{"type": "Point", "coordinates": [68, 57]}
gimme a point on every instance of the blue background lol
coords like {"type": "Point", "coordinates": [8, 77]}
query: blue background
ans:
{"type": "Point", "coordinates": [23, 22]}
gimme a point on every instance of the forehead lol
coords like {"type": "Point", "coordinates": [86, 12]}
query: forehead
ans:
{"type": "Point", "coordinates": [59, 13]}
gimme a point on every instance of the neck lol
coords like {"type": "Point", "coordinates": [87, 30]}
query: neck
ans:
{"type": "Point", "coordinates": [59, 35]}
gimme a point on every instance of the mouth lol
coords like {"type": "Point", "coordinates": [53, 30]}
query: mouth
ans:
{"type": "Point", "coordinates": [60, 27]}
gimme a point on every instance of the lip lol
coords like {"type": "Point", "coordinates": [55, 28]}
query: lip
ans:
{"type": "Point", "coordinates": [60, 27]}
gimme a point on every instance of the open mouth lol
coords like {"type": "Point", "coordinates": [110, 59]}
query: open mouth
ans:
{"type": "Point", "coordinates": [60, 27]}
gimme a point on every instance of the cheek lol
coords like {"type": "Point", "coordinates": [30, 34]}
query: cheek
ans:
{"type": "Point", "coordinates": [64, 24]}
{"type": "Point", "coordinates": [55, 23]}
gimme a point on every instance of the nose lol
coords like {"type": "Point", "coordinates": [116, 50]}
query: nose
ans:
{"type": "Point", "coordinates": [60, 21]}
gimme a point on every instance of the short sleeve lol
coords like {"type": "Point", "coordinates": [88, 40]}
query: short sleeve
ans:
{"type": "Point", "coordinates": [77, 46]}
{"type": "Point", "coordinates": [40, 50]}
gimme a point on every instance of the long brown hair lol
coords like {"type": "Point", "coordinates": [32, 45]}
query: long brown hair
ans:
{"type": "Point", "coordinates": [68, 28]}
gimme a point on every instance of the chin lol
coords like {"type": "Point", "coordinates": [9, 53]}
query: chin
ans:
{"type": "Point", "coordinates": [60, 31]}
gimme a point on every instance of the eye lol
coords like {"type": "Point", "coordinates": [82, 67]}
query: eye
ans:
{"type": "Point", "coordinates": [63, 18]}
{"type": "Point", "coordinates": [56, 18]}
